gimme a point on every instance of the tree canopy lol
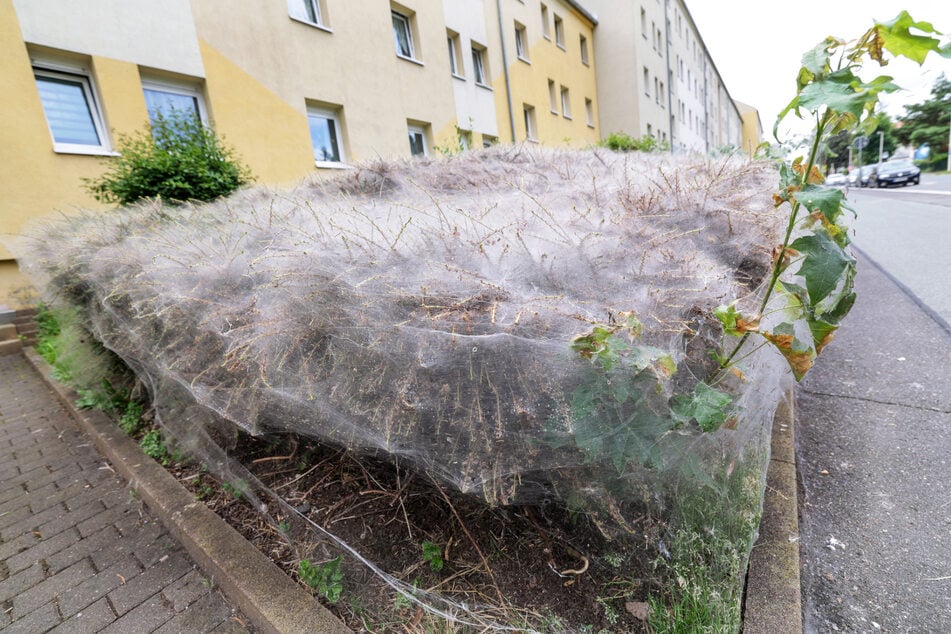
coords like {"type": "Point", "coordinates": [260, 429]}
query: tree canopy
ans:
{"type": "Point", "coordinates": [929, 122]}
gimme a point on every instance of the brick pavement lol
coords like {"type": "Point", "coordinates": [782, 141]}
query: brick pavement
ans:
{"type": "Point", "coordinates": [78, 551]}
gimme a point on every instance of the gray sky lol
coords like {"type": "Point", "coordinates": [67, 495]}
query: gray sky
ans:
{"type": "Point", "coordinates": [757, 46]}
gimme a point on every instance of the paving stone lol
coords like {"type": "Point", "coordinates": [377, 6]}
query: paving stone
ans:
{"type": "Point", "coordinates": [43, 549]}
{"type": "Point", "coordinates": [20, 582]}
{"type": "Point", "coordinates": [46, 590]}
{"type": "Point", "coordinates": [91, 619]}
{"type": "Point", "coordinates": [26, 497]}
{"type": "Point", "coordinates": [27, 521]}
{"type": "Point", "coordinates": [95, 588]}
{"type": "Point", "coordinates": [17, 545]}
{"type": "Point", "coordinates": [39, 620]}
{"type": "Point", "coordinates": [129, 595]}
{"type": "Point", "coordinates": [203, 615]}
{"type": "Point", "coordinates": [103, 548]}
{"type": "Point", "coordinates": [71, 519]}
{"type": "Point", "coordinates": [146, 617]}
{"type": "Point", "coordinates": [187, 590]}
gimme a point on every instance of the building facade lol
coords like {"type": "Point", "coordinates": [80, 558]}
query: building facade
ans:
{"type": "Point", "coordinates": [656, 77]}
{"type": "Point", "coordinates": [294, 87]}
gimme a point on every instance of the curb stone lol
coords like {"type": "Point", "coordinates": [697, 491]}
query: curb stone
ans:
{"type": "Point", "coordinates": [773, 602]}
{"type": "Point", "coordinates": [257, 587]}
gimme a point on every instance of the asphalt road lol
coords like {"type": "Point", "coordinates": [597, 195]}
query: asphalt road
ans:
{"type": "Point", "coordinates": [874, 429]}
{"type": "Point", "coordinates": [906, 230]}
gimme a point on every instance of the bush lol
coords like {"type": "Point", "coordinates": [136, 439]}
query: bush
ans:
{"type": "Point", "coordinates": [176, 158]}
{"type": "Point", "coordinates": [621, 142]}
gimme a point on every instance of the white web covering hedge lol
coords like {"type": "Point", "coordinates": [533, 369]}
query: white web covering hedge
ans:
{"type": "Point", "coordinates": [426, 310]}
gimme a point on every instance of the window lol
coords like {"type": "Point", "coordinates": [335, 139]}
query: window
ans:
{"type": "Point", "coordinates": [403, 35]}
{"type": "Point", "coordinates": [417, 140]}
{"type": "Point", "coordinates": [559, 32]}
{"type": "Point", "coordinates": [644, 23]}
{"type": "Point", "coordinates": [656, 91]}
{"type": "Point", "coordinates": [565, 103]}
{"type": "Point", "coordinates": [660, 42]}
{"type": "Point", "coordinates": [650, 130]}
{"type": "Point", "coordinates": [528, 114]}
{"type": "Point", "coordinates": [71, 112]}
{"type": "Point", "coordinates": [660, 95]}
{"type": "Point", "coordinates": [306, 11]}
{"type": "Point", "coordinates": [455, 54]}
{"type": "Point", "coordinates": [654, 35]}
{"type": "Point", "coordinates": [325, 136]}
{"type": "Point", "coordinates": [552, 97]}
{"type": "Point", "coordinates": [168, 99]}
{"type": "Point", "coordinates": [546, 27]}
{"type": "Point", "coordinates": [589, 112]}
{"type": "Point", "coordinates": [647, 82]}
{"type": "Point", "coordinates": [488, 140]}
{"type": "Point", "coordinates": [478, 65]}
{"type": "Point", "coordinates": [583, 41]}
{"type": "Point", "coordinates": [521, 42]}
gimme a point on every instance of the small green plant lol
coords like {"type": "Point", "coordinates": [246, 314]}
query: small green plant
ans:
{"type": "Point", "coordinates": [621, 142]}
{"type": "Point", "coordinates": [153, 446]}
{"type": "Point", "coordinates": [284, 527]}
{"type": "Point", "coordinates": [237, 489]}
{"type": "Point", "coordinates": [204, 491]}
{"type": "Point", "coordinates": [326, 579]}
{"type": "Point", "coordinates": [176, 158]}
{"type": "Point", "coordinates": [93, 399]}
{"type": "Point", "coordinates": [131, 419]}
{"type": "Point", "coordinates": [432, 554]}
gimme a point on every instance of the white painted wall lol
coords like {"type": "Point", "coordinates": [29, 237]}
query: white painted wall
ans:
{"type": "Point", "coordinates": [475, 105]}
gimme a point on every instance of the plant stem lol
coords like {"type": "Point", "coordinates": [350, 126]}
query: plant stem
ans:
{"type": "Point", "coordinates": [793, 216]}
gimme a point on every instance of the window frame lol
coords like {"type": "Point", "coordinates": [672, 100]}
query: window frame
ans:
{"type": "Point", "coordinates": [415, 128]}
{"type": "Point", "coordinates": [177, 88]}
{"type": "Point", "coordinates": [546, 26]}
{"type": "Point", "coordinates": [559, 32]}
{"type": "Point", "coordinates": [589, 112]}
{"type": "Point", "coordinates": [53, 71]}
{"type": "Point", "coordinates": [455, 55]}
{"type": "Point", "coordinates": [531, 124]}
{"type": "Point", "coordinates": [332, 114]}
{"type": "Point", "coordinates": [407, 22]}
{"type": "Point", "coordinates": [564, 95]}
{"type": "Point", "coordinates": [521, 42]}
{"type": "Point", "coordinates": [583, 43]}
{"type": "Point", "coordinates": [479, 71]}
{"type": "Point", "coordinates": [553, 97]}
{"type": "Point", "coordinates": [319, 21]}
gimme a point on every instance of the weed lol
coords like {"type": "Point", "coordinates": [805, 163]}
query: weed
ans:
{"type": "Point", "coordinates": [154, 447]}
{"type": "Point", "coordinates": [432, 554]}
{"type": "Point", "coordinates": [131, 419]}
{"type": "Point", "coordinates": [284, 527]}
{"type": "Point", "coordinates": [326, 579]}
{"type": "Point", "coordinates": [621, 142]}
{"type": "Point", "coordinates": [238, 489]}
{"type": "Point", "coordinates": [204, 491]}
{"type": "Point", "coordinates": [93, 399]}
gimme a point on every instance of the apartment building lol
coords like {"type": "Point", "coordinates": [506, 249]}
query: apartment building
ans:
{"type": "Point", "coordinates": [294, 87]}
{"type": "Point", "coordinates": [656, 77]}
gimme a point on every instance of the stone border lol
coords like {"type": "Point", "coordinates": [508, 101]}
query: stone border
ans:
{"type": "Point", "coordinates": [263, 592]}
{"type": "Point", "coordinates": [773, 602]}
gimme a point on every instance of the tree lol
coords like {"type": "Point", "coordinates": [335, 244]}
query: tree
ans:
{"type": "Point", "coordinates": [176, 158]}
{"type": "Point", "coordinates": [837, 147]}
{"type": "Point", "coordinates": [929, 122]}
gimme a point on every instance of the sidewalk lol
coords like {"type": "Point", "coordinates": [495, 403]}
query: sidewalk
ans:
{"type": "Point", "coordinates": [874, 454]}
{"type": "Point", "coordinates": [78, 551]}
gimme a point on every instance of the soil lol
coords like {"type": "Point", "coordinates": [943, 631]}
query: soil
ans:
{"type": "Point", "coordinates": [537, 568]}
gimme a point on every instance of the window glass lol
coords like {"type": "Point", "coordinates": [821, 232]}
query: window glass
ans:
{"type": "Point", "coordinates": [306, 10]}
{"type": "Point", "coordinates": [520, 48]}
{"type": "Point", "coordinates": [167, 102]}
{"type": "Point", "coordinates": [67, 103]}
{"type": "Point", "coordinates": [559, 32]}
{"type": "Point", "coordinates": [417, 142]}
{"type": "Point", "coordinates": [453, 62]}
{"type": "Point", "coordinates": [324, 137]}
{"type": "Point", "coordinates": [402, 35]}
{"type": "Point", "coordinates": [478, 68]}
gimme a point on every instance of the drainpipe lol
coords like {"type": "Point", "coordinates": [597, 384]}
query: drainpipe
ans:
{"type": "Point", "coordinates": [505, 67]}
{"type": "Point", "coordinates": [670, 76]}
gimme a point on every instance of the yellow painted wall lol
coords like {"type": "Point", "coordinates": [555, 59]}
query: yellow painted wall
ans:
{"type": "Point", "coordinates": [529, 81]}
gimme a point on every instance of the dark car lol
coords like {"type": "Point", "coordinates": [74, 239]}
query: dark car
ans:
{"type": "Point", "coordinates": [899, 172]}
{"type": "Point", "coordinates": [862, 176]}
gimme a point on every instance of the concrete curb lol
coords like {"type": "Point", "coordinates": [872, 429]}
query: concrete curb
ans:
{"type": "Point", "coordinates": [257, 587]}
{"type": "Point", "coordinates": [773, 594]}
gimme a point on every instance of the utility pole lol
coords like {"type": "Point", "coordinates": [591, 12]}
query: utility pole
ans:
{"type": "Point", "coordinates": [881, 148]}
{"type": "Point", "coordinates": [949, 140]}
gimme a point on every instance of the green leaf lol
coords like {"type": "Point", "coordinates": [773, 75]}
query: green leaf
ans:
{"type": "Point", "coordinates": [824, 265]}
{"type": "Point", "coordinates": [897, 38]}
{"type": "Point", "coordinates": [707, 406]}
{"type": "Point", "coordinates": [824, 199]}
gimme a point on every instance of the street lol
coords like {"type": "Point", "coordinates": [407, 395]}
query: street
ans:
{"type": "Point", "coordinates": [874, 429]}
{"type": "Point", "coordinates": [906, 231]}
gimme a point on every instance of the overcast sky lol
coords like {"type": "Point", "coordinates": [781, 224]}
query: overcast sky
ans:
{"type": "Point", "coordinates": [757, 45]}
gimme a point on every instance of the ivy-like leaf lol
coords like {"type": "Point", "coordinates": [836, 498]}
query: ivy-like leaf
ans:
{"type": "Point", "coordinates": [707, 406]}
{"type": "Point", "coordinates": [897, 38]}
{"type": "Point", "coordinates": [827, 200]}
{"type": "Point", "coordinates": [824, 265]}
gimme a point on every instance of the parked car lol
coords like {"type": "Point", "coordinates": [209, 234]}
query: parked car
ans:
{"type": "Point", "coordinates": [865, 173]}
{"type": "Point", "coordinates": [837, 180]}
{"type": "Point", "coordinates": [898, 172]}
